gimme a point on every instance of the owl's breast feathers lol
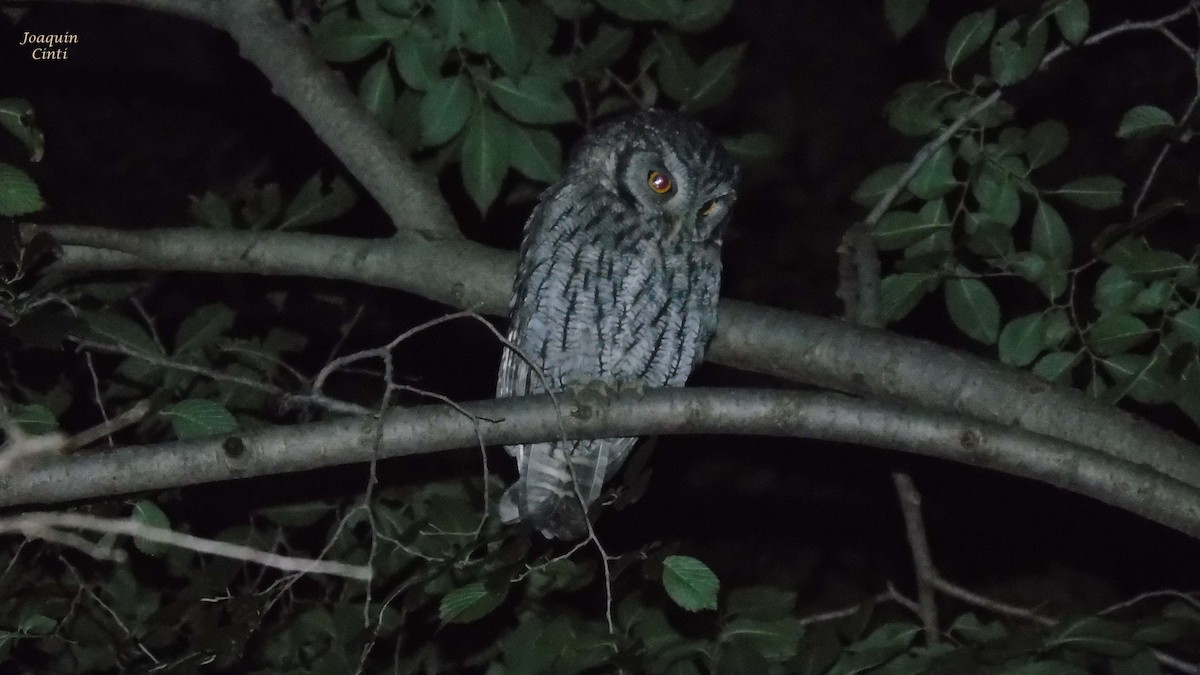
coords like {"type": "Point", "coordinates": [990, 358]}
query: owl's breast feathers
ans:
{"type": "Point", "coordinates": [604, 293]}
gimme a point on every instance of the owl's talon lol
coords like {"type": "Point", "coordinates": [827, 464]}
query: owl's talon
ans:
{"type": "Point", "coordinates": [589, 397]}
{"type": "Point", "coordinates": [636, 388]}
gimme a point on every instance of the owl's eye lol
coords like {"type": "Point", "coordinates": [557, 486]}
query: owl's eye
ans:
{"type": "Point", "coordinates": [708, 208]}
{"type": "Point", "coordinates": [660, 182]}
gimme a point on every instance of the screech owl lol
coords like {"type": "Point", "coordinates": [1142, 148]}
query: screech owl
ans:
{"type": "Point", "coordinates": [617, 283]}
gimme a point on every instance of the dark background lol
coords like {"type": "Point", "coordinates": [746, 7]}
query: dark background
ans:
{"type": "Point", "coordinates": [149, 109]}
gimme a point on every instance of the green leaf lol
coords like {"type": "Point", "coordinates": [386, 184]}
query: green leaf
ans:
{"type": "Point", "coordinates": [1186, 324]}
{"type": "Point", "coordinates": [1030, 266]}
{"type": "Point", "coordinates": [1115, 290]}
{"type": "Point", "coordinates": [1094, 192]}
{"type": "Point", "coordinates": [16, 116]}
{"type": "Point", "coordinates": [901, 229]}
{"type": "Point", "coordinates": [968, 35]}
{"type": "Point", "coordinates": [470, 603]}
{"type": "Point", "coordinates": [418, 60]}
{"type": "Point", "coordinates": [211, 210]}
{"type": "Point", "coordinates": [407, 125]}
{"type": "Point", "coordinates": [700, 15]}
{"type": "Point", "coordinates": [1053, 283]}
{"type": "Point", "coordinates": [535, 153]}
{"type": "Point", "coordinates": [715, 79]}
{"type": "Point", "coordinates": [609, 45]}
{"type": "Point", "coordinates": [1096, 635]}
{"type": "Point", "coordinates": [903, 15]}
{"type": "Point", "coordinates": [115, 329]}
{"type": "Point", "coordinates": [203, 328]}
{"type": "Point", "coordinates": [1021, 340]}
{"type": "Point", "coordinates": [377, 91]}
{"type": "Point", "coordinates": [147, 513]}
{"type": "Point", "coordinates": [456, 17]}
{"type": "Point", "coordinates": [1051, 238]}
{"type": "Point", "coordinates": [876, 185]}
{"type": "Point", "coordinates": [973, 308]}
{"type": "Point", "coordinates": [1145, 121]}
{"type": "Point", "coordinates": [752, 148]}
{"type": "Point", "coordinates": [1154, 298]}
{"type": "Point", "coordinates": [570, 9]}
{"type": "Point", "coordinates": [643, 10]}
{"type": "Point", "coordinates": [341, 40]}
{"type": "Point", "coordinates": [19, 195]}
{"type": "Point", "coordinates": [1012, 61]}
{"type": "Point", "coordinates": [197, 418]}
{"type": "Point", "coordinates": [1058, 328]}
{"type": "Point", "coordinates": [445, 109]}
{"type": "Point", "coordinates": [1148, 264]}
{"type": "Point", "coordinates": [1072, 19]}
{"type": "Point", "coordinates": [761, 602]}
{"type": "Point", "coordinates": [533, 100]}
{"type": "Point", "coordinates": [34, 419]}
{"type": "Point", "coordinates": [263, 206]}
{"type": "Point", "coordinates": [776, 639]}
{"type": "Point", "coordinates": [485, 157]}
{"type": "Point", "coordinates": [1046, 141]}
{"type": "Point", "coordinates": [988, 236]}
{"type": "Point", "coordinates": [1117, 333]}
{"type": "Point", "coordinates": [690, 583]}
{"type": "Point", "coordinates": [936, 176]}
{"type": "Point", "coordinates": [997, 193]}
{"type": "Point", "coordinates": [900, 293]}
{"type": "Point", "coordinates": [1056, 366]}
{"type": "Point", "coordinates": [677, 72]}
{"type": "Point", "coordinates": [916, 108]}
{"type": "Point", "coordinates": [313, 204]}
{"type": "Point", "coordinates": [1144, 378]}
{"type": "Point", "coordinates": [503, 34]}
{"type": "Point", "coordinates": [37, 624]}
{"type": "Point", "coordinates": [384, 15]}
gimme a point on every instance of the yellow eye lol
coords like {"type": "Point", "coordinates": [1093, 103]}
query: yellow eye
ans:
{"type": "Point", "coordinates": [708, 208]}
{"type": "Point", "coordinates": [660, 182]}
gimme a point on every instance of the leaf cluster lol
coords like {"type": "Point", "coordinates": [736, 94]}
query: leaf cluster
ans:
{"type": "Point", "coordinates": [1118, 315]}
{"type": "Point", "coordinates": [486, 83]}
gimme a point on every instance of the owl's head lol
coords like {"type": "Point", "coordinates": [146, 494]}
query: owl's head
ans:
{"type": "Point", "coordinates": [667, 167]}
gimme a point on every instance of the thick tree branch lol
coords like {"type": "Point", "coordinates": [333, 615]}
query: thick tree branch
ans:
{"type": "Point", "coordinates": [427, 429]}
{"type": "Point", "coordinates": [775, 342]}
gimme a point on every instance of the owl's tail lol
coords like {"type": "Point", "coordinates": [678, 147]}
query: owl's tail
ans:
{"type": "Point", "coordinates": [558, 483]}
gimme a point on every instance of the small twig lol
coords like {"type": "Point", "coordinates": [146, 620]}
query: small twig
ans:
{"type": "Point", "coordinates": [1189, 598]}
{"type": "Point", "coordinates": [125, 419]}
{"type": "Point", "coordinates": [973, 598]}
{"type": "Point", "coordinates": [87, 590]}
{"type": "Point", "coordinates": [91, 365]}
{"type": "Point", "coordinates": [317, 399]}
{"type": "Point", "coordinates": [1126, 27]}
{"type": "Point", "coordinates": [46, 525]}
{"type": "Point", "coordinates": [918, 542]}
{"type": "Point", "coordinates": [849, 610]}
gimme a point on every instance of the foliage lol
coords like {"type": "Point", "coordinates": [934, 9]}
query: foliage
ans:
{"type": "Point", "coordinates": [495, 86]}
{"type": "Point", "coordinates": [487, 83]}
{"type": "Point", "coordinates": [1118, 316]}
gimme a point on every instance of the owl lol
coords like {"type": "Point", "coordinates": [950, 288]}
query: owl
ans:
{"type": "Point", "coordinates": [616, 285]}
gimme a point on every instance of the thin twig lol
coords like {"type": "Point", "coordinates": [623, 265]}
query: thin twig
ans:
{"type": "Point", "coordinates": [46, 525]}
{"type": "Point", "coordinates": [918, 542]}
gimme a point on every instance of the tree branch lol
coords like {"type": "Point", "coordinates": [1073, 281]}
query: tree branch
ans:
{"type": "Point", "coordinates": [775, 342]}
{"type": "Point", "coordinates": [432, 428]}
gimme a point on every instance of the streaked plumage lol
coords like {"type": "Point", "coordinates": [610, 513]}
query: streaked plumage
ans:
{"type": "Point", "coordinates": [617, 283]}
